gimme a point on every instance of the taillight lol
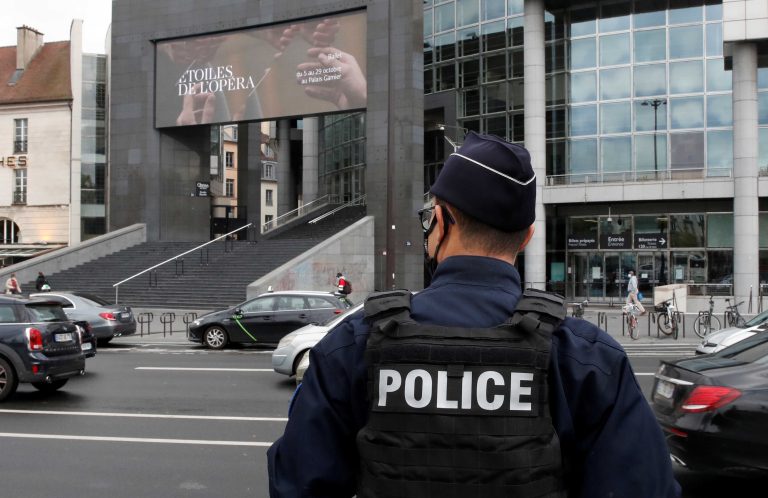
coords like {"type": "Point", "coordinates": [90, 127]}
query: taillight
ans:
{"type": "Point", "coordinates": [108, 316]}
{"type": "Point", "coordinates": [707, 398]}
{"type": "Point", "coordinates": [34, 339]}
{"type": "Point", "coordinates": [337, 312]}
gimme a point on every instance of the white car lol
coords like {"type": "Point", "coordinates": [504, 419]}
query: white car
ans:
{"type": "Point", "coordinates": [296, 345]}
{"type": "Point", "coordinates": [721, 339]}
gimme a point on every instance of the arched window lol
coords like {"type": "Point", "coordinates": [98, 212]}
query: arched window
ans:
{"type": "Point", "coordinates": [9, 231]}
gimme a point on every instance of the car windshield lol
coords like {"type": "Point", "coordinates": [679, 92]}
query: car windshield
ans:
{"type": "Point", "coordinates": [46, 312]}
{"type": "Point", "coordinates": [757, 320]}
{"type": "Point", "coordinates": [93, 298]}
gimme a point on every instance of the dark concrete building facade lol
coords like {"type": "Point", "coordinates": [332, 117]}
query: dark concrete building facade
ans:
{"type": "Point", "coordinates": [153, 171]}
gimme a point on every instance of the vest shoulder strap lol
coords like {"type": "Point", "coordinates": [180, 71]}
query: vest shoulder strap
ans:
{"type": "Point", "coordinates": [539, 310]}
{"type": "Point", "coordinates": [384, 309]}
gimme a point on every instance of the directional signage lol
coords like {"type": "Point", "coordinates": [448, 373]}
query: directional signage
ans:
{"type": "Point", "coordinates": [582, 241]}
{"type": "Point", "coordinates": [615, 240]}
{"type": "Point", "coordinates": [203, 189]}
{"type": "Point", "coordinates": [650, 241]}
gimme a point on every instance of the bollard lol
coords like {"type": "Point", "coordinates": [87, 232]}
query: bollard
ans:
{"type": "Point", "coordinates": [167, 320]}
{"type": "Point", "coordinates": [189, 318]}
{"type": "Point", "coordinates": [145, 318]}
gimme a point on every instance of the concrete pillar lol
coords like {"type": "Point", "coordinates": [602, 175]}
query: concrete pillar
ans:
{"type": "Point", "coordinates": [309, 160]}
{"type": "Point", "coordinates": [746, 227]}
{"type": "Point", "coordinates": [285, 202]}
{"type": "Point", "coordinates": [535, 137]}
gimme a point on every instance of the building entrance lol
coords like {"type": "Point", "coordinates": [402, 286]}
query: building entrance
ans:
{"type": "Point", "coordinates": [602, 275]}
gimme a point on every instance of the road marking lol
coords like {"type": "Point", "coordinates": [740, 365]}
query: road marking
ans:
{"type": "Point", "coordinates": [191, 369]}
{"type": "Point", "coordinates": [135, 439]}
{"type": "Point", "coordinates": [147, 415]}
{"type": "Point", "coordinates": [638, 374]}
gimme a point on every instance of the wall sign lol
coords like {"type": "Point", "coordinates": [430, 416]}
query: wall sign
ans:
{"type": "Point", "coordinates": [13, 161]}
{"type": "Point", "coordinates": [650, 241]}
{"type": "Point", "coordinates": [615, 241]}
{"type": "Point", "coordinates": [203, 189]}
{"type": "Point", "coordinates": [582, 241]}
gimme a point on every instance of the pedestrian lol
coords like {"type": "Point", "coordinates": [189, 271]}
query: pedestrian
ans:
{"type": "Point", "coordinates": [12, 285]}
{"type": "Point", "coordinates": [41, 283]}
{"type": "Point", "coordinates": [343, 285]}
{"type": "Point", "coordinates": [632, 292]}
{"type": "Point", "coordinates": [471, 387]}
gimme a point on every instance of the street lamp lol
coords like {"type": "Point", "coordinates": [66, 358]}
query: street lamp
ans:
{"type": "Point", "coordinates": [655, 103]}
{"type": "Point", "coordinates": [455, 144]}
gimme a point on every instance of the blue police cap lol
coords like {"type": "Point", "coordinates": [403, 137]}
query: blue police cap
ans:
{"type": "Point", "coordinates": [491, 180]}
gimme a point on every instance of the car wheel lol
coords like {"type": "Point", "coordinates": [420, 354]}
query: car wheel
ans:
{"type": "Point", "coordinates": [215, 337]}
{"type": "Point", "coordinates": [297, 360]}
{"type": "Point", "coordinates": [49, 387]}
{"type": "Point", "coordinates": [103, 341]}
{"type": "Point", "coordinates": [8, 379]}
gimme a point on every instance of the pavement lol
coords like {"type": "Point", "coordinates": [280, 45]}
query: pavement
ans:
{"type": "Point", "coordinates": [163, 325]}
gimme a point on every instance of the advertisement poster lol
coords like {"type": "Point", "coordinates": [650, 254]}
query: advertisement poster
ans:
{"type": "Point", "coordinates": [292, 69]}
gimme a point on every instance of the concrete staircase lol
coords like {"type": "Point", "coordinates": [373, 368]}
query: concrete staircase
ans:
{"type": "Point", "coordinates": [213, 277]}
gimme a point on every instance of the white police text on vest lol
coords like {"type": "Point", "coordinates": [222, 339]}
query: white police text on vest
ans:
{"type": "Point", "coordinates": [472, 390]}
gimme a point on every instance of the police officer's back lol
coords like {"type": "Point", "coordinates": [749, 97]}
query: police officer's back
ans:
{"type": "Point", "coordinates": [467, 388]}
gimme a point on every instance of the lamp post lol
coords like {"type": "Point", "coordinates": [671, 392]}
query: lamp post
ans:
{"type": "Point", "coordinates": [655, 103]}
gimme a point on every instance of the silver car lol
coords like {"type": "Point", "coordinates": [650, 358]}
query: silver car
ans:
{"type": "Point", "coordinates": [107, 320]}
{"type": "Point", "coordinates": [721, 339]}
{"type": "Point", "coordinates": [294, 346]}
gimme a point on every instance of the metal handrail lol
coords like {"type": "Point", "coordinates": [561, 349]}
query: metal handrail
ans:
{"type": "Point", "coordinates": [639, 175]}
{"type": "Point", "coordinates": [142, 272]}
{"type": "Point", "coordinates": [295, 213]}
{"type": "Point", "coordinates": [358, 200]}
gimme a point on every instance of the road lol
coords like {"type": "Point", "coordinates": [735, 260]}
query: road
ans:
{"type": "Point", "coordinates": [177, 420]}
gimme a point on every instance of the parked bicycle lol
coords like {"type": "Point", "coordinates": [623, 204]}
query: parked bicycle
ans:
{"type": "Point", "coordinates": [666, 318]}
{"type": "Point", "coordinates": [577, 309]}
{"type": "Point", "coordinates": [631, 312]}
{"type": "Point", "coordinates": [706, 322]}
{"type": "Point", "coordinates": [732, 317]}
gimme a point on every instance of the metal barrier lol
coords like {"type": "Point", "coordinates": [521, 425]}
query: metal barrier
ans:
{"type": "Point", "coordinates": [145, 318]}
{"type": "Point", "coordinates": [167, 320]}
{"type": "Point", "coordinates": [177, 261]}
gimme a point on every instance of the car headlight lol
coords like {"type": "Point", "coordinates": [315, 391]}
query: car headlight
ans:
{"type": "Point", "coordinates": [196, 323]}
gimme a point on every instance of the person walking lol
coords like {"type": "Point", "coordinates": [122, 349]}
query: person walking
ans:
{"type": "Point", "coordinates": [471, 387]}
{"type": "Point", "coordinates": [632, 291]}
{"type": "Point", "coordinates": [12, 285]}
{"type": "Point", "coordinates": [343, 286]}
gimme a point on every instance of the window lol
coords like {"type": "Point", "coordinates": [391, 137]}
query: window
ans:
{"type": "Point", "coordinates": [269, 197]}
{"type": "Point", "coordinates": [20, 186]}
{"type": "Point", "coordinates": [230, 187]}
{"type": "Point", "coordinates": [229, 158]}
{"type": "Point", "coordinates": [7, 314]}
{"type": "Point", "coordinates": [262, 304]}
{"type": "Point", "coordinates": [268, 220]}
{"type": "Point", "coordinates": [20, 136]}
{"type": "Point", "coordinates": [269, 171]}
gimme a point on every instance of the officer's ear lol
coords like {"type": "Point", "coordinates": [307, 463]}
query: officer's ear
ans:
{"type": "Point", "coordinates": [526, 238]}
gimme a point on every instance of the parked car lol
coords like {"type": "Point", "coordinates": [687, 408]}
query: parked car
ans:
{"type": "Point", "coordinates": [714, 408]}
{"type": "Point", "coordinates": [265, 318]}
{"type": "Point", "coordinates": [38, 345]}
{"type": "Point", "coordinates": [720, 339]}
{"type": "Point", "coordinates": [107, 320]}
{"type": "Point", "coordinates": [291, 348]}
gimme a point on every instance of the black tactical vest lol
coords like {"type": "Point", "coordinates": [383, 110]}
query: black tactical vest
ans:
{"type": "Point", "coordinates": [459, 412]}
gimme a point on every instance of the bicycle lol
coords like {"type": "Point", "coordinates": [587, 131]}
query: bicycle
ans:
{"type": "Point", "coordinates": [732, 317]}
{"type": "Point", "coordinates": [706, 322]}
{"type": "Point", "coordinates": [666, 318]}
{"type": "Point", "coordinates": [578, 308]}
{"type": "Point", "coordinates": [631, 311]}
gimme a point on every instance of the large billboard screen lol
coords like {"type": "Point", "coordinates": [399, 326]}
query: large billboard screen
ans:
{"type": "Point", "coordinates": [301, 68]}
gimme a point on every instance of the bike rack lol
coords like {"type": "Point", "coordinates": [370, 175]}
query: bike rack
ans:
{"type": "Point", "coordinates": [167, 320]}
{"type": "Point", "coordinates": [145, 318]}
{"type": "Point", "coordinates": [189, 318]}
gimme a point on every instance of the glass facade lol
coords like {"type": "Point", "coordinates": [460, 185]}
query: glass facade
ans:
{"type": "Point", "coordinates": [637, 90]}
{"type": "Point", "coordinates": [93, 155]}
{"type": "Point", "coordinates": [342, 156]}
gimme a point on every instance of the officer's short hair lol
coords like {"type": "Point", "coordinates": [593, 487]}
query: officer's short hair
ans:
{"type": "Point", "coordinates": [479, 235]}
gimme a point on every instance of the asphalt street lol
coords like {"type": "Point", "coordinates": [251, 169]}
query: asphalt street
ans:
{"type": "Point", "coordinates": [160, 417]}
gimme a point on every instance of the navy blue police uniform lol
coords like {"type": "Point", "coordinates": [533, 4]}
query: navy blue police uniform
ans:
{"type": "Point", "coordinates": [610, 441]}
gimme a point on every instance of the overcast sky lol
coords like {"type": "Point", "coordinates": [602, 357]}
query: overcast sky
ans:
{"type": "Point", "coordinates": [54, 17]}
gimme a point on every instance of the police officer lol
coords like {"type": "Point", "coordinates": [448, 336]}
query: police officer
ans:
{"type": "Point", "coordinates": [358, 427]}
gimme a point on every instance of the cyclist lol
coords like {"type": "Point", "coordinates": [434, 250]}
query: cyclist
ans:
{"type": "Point", "coordinates": [632, 292]}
